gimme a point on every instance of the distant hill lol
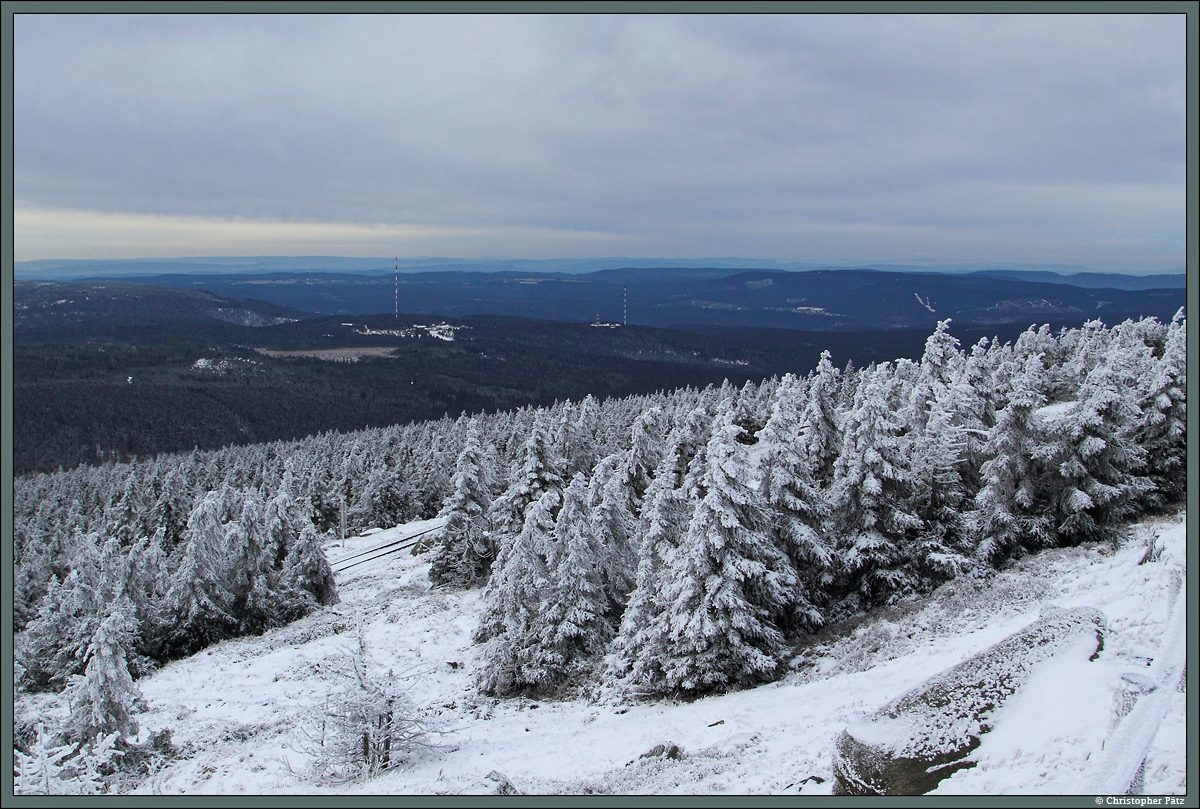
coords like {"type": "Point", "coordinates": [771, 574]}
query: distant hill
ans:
{"type": "Point", "coordinates": [107, 370]}
{"type": "Point", "coordinates": [69, 310]}
{"type": "Point", "coordinates": [1094, 280]}
{"type": "Point", "coordinates": [110, 369]}
{"type": "Point", "coordinates": [136, 269]}
{"type": "Point", "coordinates": [821, 300]}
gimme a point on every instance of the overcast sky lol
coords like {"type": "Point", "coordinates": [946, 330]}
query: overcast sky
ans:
{"type": "Point", "coordinates": [1035, 139]}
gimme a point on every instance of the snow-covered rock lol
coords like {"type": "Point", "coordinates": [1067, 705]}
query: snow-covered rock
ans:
{"type": "Point", "coordinates": [909, 745]}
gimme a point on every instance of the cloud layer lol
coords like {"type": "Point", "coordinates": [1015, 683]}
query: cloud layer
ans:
{"type": "Point", "coordinates": [804, 137]}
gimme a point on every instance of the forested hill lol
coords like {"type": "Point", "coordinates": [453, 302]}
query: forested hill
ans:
{"type": "Point", "coordinates": [67, 311]}
{"type": "Point", "coordinates": [822, 300]}
{"type": "Point", "coordinates": [106, 371]}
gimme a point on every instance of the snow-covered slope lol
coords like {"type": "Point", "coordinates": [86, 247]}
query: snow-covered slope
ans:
{"type": "Point", "coordinates": [240, 709]}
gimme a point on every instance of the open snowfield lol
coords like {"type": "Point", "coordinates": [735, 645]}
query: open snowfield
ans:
{"type": "Point", "coordinates": [240, 709]}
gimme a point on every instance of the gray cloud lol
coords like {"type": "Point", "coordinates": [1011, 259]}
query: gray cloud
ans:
{"type": "Point", "coordinates": [800, 137]}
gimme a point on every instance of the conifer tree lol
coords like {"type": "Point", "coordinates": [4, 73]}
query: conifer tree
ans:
{"type": "Point", "coordinates": [31, 576]}
{"type": "Point", "coordinates": [56, 640]}
{"type": "Point", "coordinates": [940, 550]}
{"type": "Point", "coordinates": [798, 508]}
{"type": "Point", "coordinates": [581, 441]}
{"type": "Point", "coordinates": [1083, 348]}
{"type": "Point", "coordinates": [870, 494]}
{"type": "Point", "coordinates": [250, 562]}
{"type": "Point", "coordinates": [574, 615]}
{"type": "Point", "coordinates": [511, 627]}
{"type": "Point", "coordinates": [636, 655]}
{"type": "Point", "coordinates": [537, 473]}
{"type": "Point", "coordinates": [749, 412]}
{"type": "Point", "coordinates": [1162, 428]}
{"type": "Point", "coordinates": [465, 553]}
{"type": "Point", "coordinates": [941, 364]}
{"type": "Point", "coordinates": [819, 421]}
{"type": "Point", "coordinates": [103, 699]}
{"type": "Point", "coordinates": [1011, 513]}
{"type": "Point", "coordinates": [1096, 480]}
{"type": "Point", "coordinates": [611, 509]}
{"type": "Point", "coordinates": [726, 583]}
{"type": "Point", "coordinates": [40, 771]}
{"type": "Point", "coordinates": [645, 451]}
{"type": "Point", "coordinates": [969, 408]}
{"type": "Point", "coordinates": [199, 604]}
{"type": "Point", "coordinates": [149, 581]}
{"type": "Point", "coordinates": [307, 580]}
{"type": "Point", "coordinates": [281, 520]}
{"type": "Point", "coordinates": [125, 516]}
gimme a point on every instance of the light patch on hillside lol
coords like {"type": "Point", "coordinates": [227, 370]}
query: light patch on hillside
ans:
{"type": "Point", "coordinates": [349, 354]}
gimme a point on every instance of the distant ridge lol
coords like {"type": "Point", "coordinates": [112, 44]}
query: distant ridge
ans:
{"type": "Point", "coordinates": [1094, 280]}
{"type": "Point", "coordinates": [665, 297]}
{"type": "Point", "coordinates": [130, 269]}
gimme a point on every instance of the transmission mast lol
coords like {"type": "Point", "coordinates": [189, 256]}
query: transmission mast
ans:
{"type": "Point", "coordinates": [625, 306]}
{"type": "Point", "coordinates": [396, 288]}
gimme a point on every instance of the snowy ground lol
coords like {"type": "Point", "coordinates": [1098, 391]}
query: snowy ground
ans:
{"type": "Point", "coordinates": [239, 708]}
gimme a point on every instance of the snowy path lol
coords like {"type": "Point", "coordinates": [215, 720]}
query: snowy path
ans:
{"type": "Point", "coordinates": [347, 555]}
{"type": "Point", "coordinates": [240, 707]}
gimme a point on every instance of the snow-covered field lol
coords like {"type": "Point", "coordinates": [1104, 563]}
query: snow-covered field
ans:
{"type": "Point", "coordinates": [241, 709]}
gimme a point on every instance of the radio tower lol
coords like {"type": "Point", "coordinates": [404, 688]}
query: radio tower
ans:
{"type": "Point", "coordinates": [625, 306]}
{"type": "Point", "coordinates": [396, 287]}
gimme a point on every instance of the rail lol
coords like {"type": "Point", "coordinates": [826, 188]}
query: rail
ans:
{"type": "Point", "coordinates": [387, 548]}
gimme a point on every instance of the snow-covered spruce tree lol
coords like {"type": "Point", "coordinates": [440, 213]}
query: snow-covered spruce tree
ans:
{"type": "Point", "coordinates": [611, 509]}
{"type": "Point", "coordinates": [104, 699]}
{"type": "Point", "coordinates": [55, 642]}
{"type": "Point", "coordinates": [581, 437]}
{"type": "Point", "coordinates": [998, 368]}
{"type": "Point", "coordinates": [941, 364]}
{"type": "Point", "coordinates": [521, 426]}
{"type": "Point", "coordinates": [969, 405]}
{"type": "Point", "coordinates": [282, 519]}
{"type": "Point", "coordinates": [636, 654]}
{"type": "Point", "coordinates": [936, 432]}
{"type": "Point", "coordinates": [941, 549]}
{"type": "Point", "coordinates": [199, 605]}
{"type": "Point", "coordinates": [88, 773]}
{"type": "Point", "coordinates": [435, 463]}
{"type": "Point", "coordinates": [512, 625]}
{"type": "Point", "coordinates": [537, 473]}
{"type": "Point", "coordinates": [645, 451]}
{"type": "Point", "coordinates": [464, 556]}
{"type": "Point", "coordinates": [798, 507]}
{"type": "Point", "coordinates": [125, 516]}
{"type": "Point", "coordinates": [818, 421]}
{"type": "Point", "coordinates": [1162, 430]}
{"type": "Point", "coordinates": [42, 535]}
{"type": "Point", "coordinates": [250, 562]}
{"type": "Point", "coordinates": [307, 580]}
{"type": "Point", "coordinates": [749, 411]}
{"type": "Point", "coordinates": [869, 496]}
{"type": "Point", "coordinates": [560, 418]}
{"type": "Point", "coordinates": [149, 582]}
{"type": "Point", "coordinates": [575, 609]}
{"type": "Point", "coordinates": [1095, 480]}
{"type": "Point", "coordinates": [726, 582]}
{"type": "Point", "coordinates": [1011, 513]}
{"type": "Point", "coordinates": [1081, 349]}
{"type": "Point", "coordinates": [31, 574]}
